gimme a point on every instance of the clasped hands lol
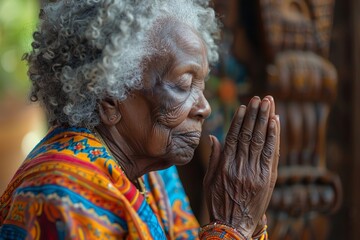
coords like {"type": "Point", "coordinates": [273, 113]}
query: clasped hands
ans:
{"type": "Point", "coordinates": [242, 175]}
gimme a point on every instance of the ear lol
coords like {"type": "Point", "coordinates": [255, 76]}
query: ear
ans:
{"type": "Point", "coordinates": [109, 111]}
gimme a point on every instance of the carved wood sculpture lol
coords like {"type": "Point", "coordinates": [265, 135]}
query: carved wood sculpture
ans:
{"type": "Point", "coordinates": [304, 82]}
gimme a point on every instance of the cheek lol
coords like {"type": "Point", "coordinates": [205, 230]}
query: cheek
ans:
{"type": "Point", "coordinates": [164, 123]}
{"type": "Point", "coordinates": [158, 140]}
{"type": "Point", "coordinates": [171, 116]}
{"type": "Point", "coordinates": [172, 106]}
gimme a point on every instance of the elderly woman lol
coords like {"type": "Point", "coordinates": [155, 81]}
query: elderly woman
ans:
{"type": "Point", "coordinates": [122, 83]}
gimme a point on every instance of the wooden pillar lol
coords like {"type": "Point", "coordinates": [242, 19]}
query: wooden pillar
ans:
{"type": "Point", "coordinates": [355, 217]}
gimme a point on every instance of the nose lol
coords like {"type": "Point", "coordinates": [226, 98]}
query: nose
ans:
{"type": "Point", "coordinates": [201, 108]}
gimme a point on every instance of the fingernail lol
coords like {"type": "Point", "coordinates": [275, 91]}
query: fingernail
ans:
{"type": "Point", "coordinates": [270, 97]}
{"type": "Point", "coordinates": [242, 110]}
{"type": "Point", "coordinates": [277, 117]}
{"type": "Point", "coordinates": [264, 105]}
{"type": "Point", "coordinates": [272, 124]}
{"type": "Point", "coordinates": [255, 103]}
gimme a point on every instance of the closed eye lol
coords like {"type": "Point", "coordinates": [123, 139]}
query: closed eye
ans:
{"type": "Point", "coordinates": [185, 81]}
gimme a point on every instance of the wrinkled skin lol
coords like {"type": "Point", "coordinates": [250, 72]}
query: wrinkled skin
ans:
{"type": "Point", "coordinates": [242, 175]}
{"type": "Point", "coordinates": [160, 125]}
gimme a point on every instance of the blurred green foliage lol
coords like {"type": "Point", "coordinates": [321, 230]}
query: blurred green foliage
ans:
{"type": "Point", "coordinates": [18, 19]}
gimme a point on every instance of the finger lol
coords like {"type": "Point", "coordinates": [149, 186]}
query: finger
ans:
{"type": "Point", "coordinates": [214, 160]}
{"type": "Point", "coordinates": [275, 161]}
{"type": "Point", "coordinates": [246, 131]}
{"type": "Point", "coordinates": [269, 171]}
{"type": "Point", "coordinates": [277, 149]}
{"type": "Point", "coordinates": [272, 105]}
{"type": "Point", "coordinates": [272, 115]}
{"type": "Point", "coordinates": [259, 135]}
{"type": "Point", "coordinates": [268, 151]}
{"type": "Point", "coordinates": [234, 130]}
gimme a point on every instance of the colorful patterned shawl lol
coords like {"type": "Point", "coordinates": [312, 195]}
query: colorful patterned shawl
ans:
{"type": "Point", "coordinates": [69, 187]}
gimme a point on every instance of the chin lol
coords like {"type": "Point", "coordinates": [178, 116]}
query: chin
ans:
{"type": "Point", "coordinates": [180, 154]}
{"type": "Point", "coordinates": [182, 160]}
{"type": "Point", "coordinates": [180, 149]}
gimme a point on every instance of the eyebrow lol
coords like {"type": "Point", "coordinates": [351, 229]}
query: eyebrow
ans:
{"type": "Point", "coordinates": [194, 68]}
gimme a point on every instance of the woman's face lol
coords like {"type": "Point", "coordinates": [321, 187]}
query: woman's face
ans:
{"type": "Point", "coordinates": [163, 121]}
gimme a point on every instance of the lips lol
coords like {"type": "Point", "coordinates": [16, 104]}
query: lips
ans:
{"type": "Point", "coordinates": [191, 139]}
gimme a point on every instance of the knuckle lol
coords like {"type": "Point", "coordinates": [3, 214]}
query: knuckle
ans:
{"type": "Point", "coordinates": [245, 136]}
{"type": "Point", "coordinates": [258, 138]}
{"type": "Point", "coordinates": [236, 125]}
{"type": "Point", "coordinates": [265, 173]}
{"type": "Point", "coordinates": [263, 119]}
{"type": "Point", "coordinates": [267, 152]}
{"type": "Point", "coordinates": [271, 139]}
{"type": "Point", "coordinates": [231, 138]}
{"type": "Point", "coordinates": [253, 115]}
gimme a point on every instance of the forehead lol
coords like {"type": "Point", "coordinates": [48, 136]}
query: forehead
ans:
{"type": "Point", "coordinates": [186, 38]}
{"type": "Point", "coordinates": [174, 37]}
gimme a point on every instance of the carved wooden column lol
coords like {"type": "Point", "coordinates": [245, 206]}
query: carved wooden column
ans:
{"type": "Point", "coordinates": [303, 81]}
{"type": "Point", "coordinates": [355, 220]}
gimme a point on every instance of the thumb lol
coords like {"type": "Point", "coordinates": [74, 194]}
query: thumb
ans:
{"type": "Point", "coordinates": [214, 161]}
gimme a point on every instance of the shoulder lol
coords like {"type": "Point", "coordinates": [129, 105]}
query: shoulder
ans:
{"type": "Point", "coordinates": [55, 190]}
{"type": "Point", "coordinates": [70, 182]}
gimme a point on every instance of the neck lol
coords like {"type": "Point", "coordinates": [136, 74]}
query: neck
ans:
{"type": "Point", "coordinates": [117, 146]}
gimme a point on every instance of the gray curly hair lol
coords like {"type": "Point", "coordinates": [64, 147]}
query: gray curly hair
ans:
{"type": "Point", "coordinates": [87, 50]}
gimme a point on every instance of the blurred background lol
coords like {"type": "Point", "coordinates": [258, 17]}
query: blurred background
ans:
{"type": "Point", "coordinates": [306, 53]}
{"type": "Point", "coordinates": [21, 124]}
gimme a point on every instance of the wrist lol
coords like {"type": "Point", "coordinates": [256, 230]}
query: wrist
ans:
{"type": "Point", "coordinates": [219, 228]}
